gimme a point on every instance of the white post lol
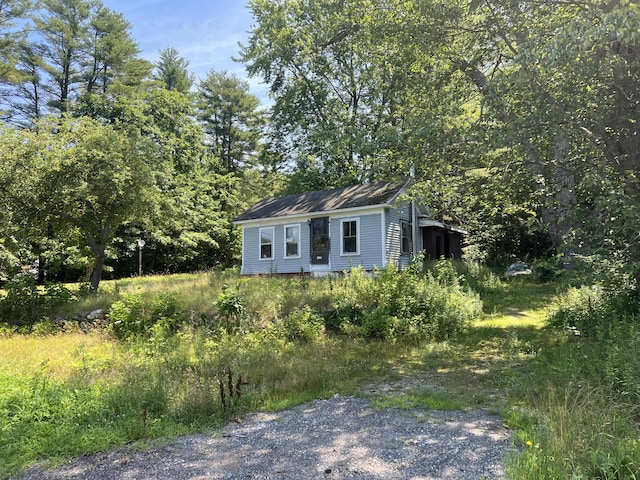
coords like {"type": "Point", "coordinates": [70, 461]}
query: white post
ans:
{"type": "Point", "coordinates": [414, 218]}
{"type": "Point", "coordinates": [140, 243]}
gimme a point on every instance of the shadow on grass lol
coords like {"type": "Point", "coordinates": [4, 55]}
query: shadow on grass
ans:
{"type": "Point", "coordinates": [517, 295]}
{"type": "Point", "coordinates": [489, 363]}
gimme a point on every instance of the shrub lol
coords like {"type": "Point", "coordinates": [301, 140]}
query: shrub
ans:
{"type": "Point", "coordinates": [594, 311]}
{"type": "Point", "coordinates": [344, 315]}
{"type": "Point", "coordinates": [131, 318]}
{"type": "Point", "coordinates": [127, 317]}
{"type": "Point", "coordinates": [603, 326]}
{"type": "Point", "coordinates": [404, 305]}
{"type": "Point", "coordinates": [304, 324]}
{"type": "Point", "coordinates": [44, 327]}
{"type": "Point", "coordinates": [167, 309]}
{"type": "Point", "coordinates": [377, 323]}
{"type": "Point", "coordinates": [231, 308]}
{"type": "Point", "coordinates": [25, 303]}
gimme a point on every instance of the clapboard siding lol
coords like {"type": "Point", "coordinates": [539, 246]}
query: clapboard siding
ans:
{"type": "Point", "coordinates": [393, 234]}
{"type": "Point", "coordinates": [252, 264]}
{"type": "Point", "coordinates": [370, 253]}
{"type": "Point", "coordinates": [369, 256]}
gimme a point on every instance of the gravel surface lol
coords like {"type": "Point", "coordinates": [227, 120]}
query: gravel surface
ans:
{"type": "Point", "coordinates": [342, 437]}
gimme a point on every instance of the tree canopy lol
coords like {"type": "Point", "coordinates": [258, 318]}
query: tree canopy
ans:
{"type": "Point", "coordinates": [77, 178]}
{"type": "Point", "coordinates": [520, 121]}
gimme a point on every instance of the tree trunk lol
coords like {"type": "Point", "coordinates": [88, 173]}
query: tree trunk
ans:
{"type": "Point", "coordinates": [96, 275]}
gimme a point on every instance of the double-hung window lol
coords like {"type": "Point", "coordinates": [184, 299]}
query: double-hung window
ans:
{"type": "Point", "coordinates": [266, 243]}
{"type": "Point", "coordinates": [292, 241]}
{"type": "Point", "coordinates": [350, 236]}
{"type": "Point", "coordinates": [405, 237]}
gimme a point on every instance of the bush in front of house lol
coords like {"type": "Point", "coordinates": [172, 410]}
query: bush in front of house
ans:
{"type": "Point", "coordinates": [304, 324]}
{"type": "Point", "coordinates": [406, 305]}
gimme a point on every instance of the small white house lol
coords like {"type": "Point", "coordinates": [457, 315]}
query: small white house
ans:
{"type": "Point", "coordinates": [327, 231]}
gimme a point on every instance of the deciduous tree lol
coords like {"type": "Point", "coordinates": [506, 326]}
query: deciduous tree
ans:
{"type": "Point", "coordinates": [77, 175]}
{"type": "Point", "coordinates": [341, 75]}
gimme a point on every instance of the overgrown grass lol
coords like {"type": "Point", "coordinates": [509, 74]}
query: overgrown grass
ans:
{"type": "Point", "coordinates": [579, 413]}
{"type": "Point", "coordinates": [81, 394]}
{"type": "Point", "coordinates": [184, 353]}
{"type": "Point", "coordinates": [570, 398]}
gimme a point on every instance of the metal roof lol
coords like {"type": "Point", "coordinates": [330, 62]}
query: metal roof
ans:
{"type": "Point", "coordinates": [366, 195]}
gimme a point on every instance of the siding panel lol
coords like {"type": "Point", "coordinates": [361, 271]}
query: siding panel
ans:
{"type": "Point", "coordinates": [393, 240]}
{"type": "Point", "coordinates": [374, 249]}
{"type": "Point", "coordinates": [253, 265]}
{"type": "Point", "coordinates": [370, 255]}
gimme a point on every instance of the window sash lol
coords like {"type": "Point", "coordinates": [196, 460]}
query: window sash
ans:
{"type": "Point", "coordinates": [266, 243]}
{"type": "Point", "coordinates": [292, 241]}
{"type": "Point", "coordinates": [350, 236]}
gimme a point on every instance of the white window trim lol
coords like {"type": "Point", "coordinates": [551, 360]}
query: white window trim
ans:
{"type": "Point", "coordinates": [273, 243]}
{"type": "Point", "coordinates": [292, 225]}
{"type": "Point", "coordinates": [358, 234]}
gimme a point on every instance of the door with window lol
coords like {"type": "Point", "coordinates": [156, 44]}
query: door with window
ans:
{"type": "Point", "coordinates": [320, 241]}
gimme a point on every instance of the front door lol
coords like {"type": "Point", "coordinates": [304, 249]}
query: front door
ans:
{"type": "Point", "coordinates": [320, 241]}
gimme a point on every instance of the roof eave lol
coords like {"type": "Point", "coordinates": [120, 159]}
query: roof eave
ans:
{"type": "Point", "coordinates": [318, 213]}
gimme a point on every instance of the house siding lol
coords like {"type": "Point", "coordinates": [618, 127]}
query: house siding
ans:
{"type": "Point", "coordinates": [393, 235]}
{"type": "Point", "coordinates": [252, 264]}
{"type": "Point", "coordinates": [369, 256]}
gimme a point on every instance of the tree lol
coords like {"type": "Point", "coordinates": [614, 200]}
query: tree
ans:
{"type": "Point", "coordinates": [196, 231]}
{"type": "Point", "coordinates": [193, 226]}
{"type": "Point", "coordinates": [324, 71]}
{"type": "Point", "coordinates": [112, 54]}
{"type": "Point", "coordinates": [171, 71]}
{"type": "Point", "coordinates": [10, 11]}
{"type": "Point", "coordinates": [561, 93]}
{"type": "Point", "coordinates": [64, 26]}
{"type": "Point", "coordinates": [11, 44]}
{"type": "Point", "coordinates": [230, 117]}
{"type": "Point", "coordinates": [78, 177]}
{"type": "Point", "coordinates": [79, 46]}
{"type": "Point", "coordinates": [25, 96]}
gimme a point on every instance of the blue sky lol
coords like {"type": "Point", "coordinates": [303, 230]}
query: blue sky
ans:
{"type": "Point", "coordinates": [205, 32]}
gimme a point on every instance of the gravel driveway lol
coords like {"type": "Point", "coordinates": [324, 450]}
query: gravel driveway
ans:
{"type": "Point", "coordinates": [342, 437]}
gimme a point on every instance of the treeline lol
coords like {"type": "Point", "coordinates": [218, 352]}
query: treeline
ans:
{"type": "Point", "coordinates": [520, 120]}
{"type": "Point", "coordinates": [101, 148]}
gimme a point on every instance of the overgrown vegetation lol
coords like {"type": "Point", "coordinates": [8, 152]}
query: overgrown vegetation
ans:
{"type": "Point", "coordinates": [24, 303]}
{"type": "Point", "coordinates": [183, 353]}
{"type": "Point", "coordinates": [583, 416]}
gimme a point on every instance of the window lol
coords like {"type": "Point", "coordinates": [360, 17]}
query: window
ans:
{"type": "Point", "coordinates": [266, 243]}
{"type": "Point", "coordinates": [350, 241]}
{"type": "Point", "coordinates": [292, 241]}
{"type": "Point", "coordinates": [405, 237]}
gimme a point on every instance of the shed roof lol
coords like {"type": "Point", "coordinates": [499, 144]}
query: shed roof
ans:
{"type": "Point", "coordinates": [369, 194]}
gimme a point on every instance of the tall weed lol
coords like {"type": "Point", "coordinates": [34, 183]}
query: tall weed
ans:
{"type": "Point", "coordinates": [407, 305]}
{"type": "Point", "coordinates": [25, 302]}
{"type": "Point", "coordinates": [578, 434]}
{"type": "Point", "coordinates": [586, 391]}
{"type": "Point", "coordinates": [133, 317]}
{"type": "Point", "coordinates": [603, 327]}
